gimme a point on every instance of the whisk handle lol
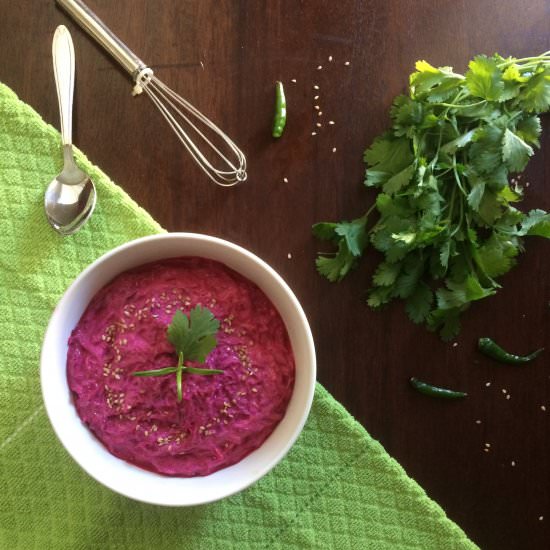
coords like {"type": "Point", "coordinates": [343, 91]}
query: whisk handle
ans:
{"type": "Point", "coordinates": [95, 27]}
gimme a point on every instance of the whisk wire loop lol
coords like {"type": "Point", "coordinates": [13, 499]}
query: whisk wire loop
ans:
{"type": "Point", "coordinates": [171, 105]}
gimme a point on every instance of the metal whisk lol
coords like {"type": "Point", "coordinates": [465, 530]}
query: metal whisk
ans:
{"type": "Point", "coordinates": [182, 117]}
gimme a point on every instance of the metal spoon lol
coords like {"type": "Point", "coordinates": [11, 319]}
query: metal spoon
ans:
{"type": "Point", "coordinates": [70, 197]}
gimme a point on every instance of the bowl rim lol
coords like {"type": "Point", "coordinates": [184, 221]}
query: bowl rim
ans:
{"type": "Point", "coordinates": [63, 303]}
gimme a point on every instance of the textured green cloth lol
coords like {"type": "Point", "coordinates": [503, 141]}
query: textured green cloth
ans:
{"type": "Point", "coordinates": [337, 488]}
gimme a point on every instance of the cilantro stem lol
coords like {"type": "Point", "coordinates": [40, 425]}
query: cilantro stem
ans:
{"type": "Point", "coordinates": [461, 105]}
{"type": "Point", "coordinates": [155, 372]}
{"type": "Point", "coordinates": [526, 60]}
{"type": "Point", "coordinates": [460, 218]}
{"type": "Point", "coordinates": [369, 211]}
{"type": "Point", "coordinates": [457, 177]}
{"type": "Point", "coordinates": [179, 370]}
{"type": "Point", "coordinates": [194, 370]}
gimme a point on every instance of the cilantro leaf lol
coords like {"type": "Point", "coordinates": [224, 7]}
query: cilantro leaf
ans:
{"type": "Point", "coordinates": [419, 303]}
{"type": "Point", "coordinates": [387, 155]}
{"type": "Point", "coordinates": [476, 194]}
{"type": "Point", "coordinates": [378, 296]}
{"type": "Point", "coordinates": [444, 253]}
{"type": "Point", "coordinates": [496, 255]}
{"type": "Point", "coordinates": [399, 180]}
{"type": "Point", "coordinates": [490, 208]}
{"type": "Point", "coordinates": [386, 274]}
{"type": "Point", "coordinates": [486, 153]}
{"type": "Point", "coordinates": [515, 152]}
{"type": "Point", "coordinates": [325, 231]}
{"type": "Point", "coordinates": [408, 280]}
{"type": "Point", "coordinates": [427, 77]}
{"type": "Point", "coordinates": [406, 114]}
{"type": "Point", "coordinates": [484, 78]}
{"type": "Point", "coordinates": [351, 238]}
{"type": "Point", "coordinates": [336, 267]}
{"type": "Point", "coordinates": [194, 335]}
{"type": "Point", "coordinates": [447, 321]}
{"type": "Point", "coordinates": [536, 96]}
{"type": "Point", "coordinates": [537, 222]}
{"type": "Point", "coordinates": [459, 142]}
{"type": "Point", "coordinates": [529, 129]}
{"type": "Point", "coordinates": [355, 235]}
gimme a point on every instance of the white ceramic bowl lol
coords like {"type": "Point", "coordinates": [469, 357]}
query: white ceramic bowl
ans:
{"type": "Point", "coordinates": [126, 478]}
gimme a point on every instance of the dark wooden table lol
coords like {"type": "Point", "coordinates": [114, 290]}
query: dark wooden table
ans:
{"type": "Point", "coordinates": [225, 57]}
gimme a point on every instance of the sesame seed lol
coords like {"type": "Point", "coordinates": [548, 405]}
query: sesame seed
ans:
{"type": "Point", "coordinates": [508, 396]}
{"type": "Point", "coordinates": [330, 57]}
{"type": "Point", "coordinates": [315, 87]}
{"type": "Point", "coordinates": [313, 133]}
{"type": "Point", "coordinates": [542, 408]}
{"type": "Point", "coordinates": [487, 384]}
{"type": "Point", "coordinates": [504, 391]}
{"type": "Point", "coordinates": [513, 463]}
{"type": "Point", "coordinates": [289, 256]}
{"type": "Point", "coordinates": [293, 80]}
{"type": "Point", "coordinates": [285, 180]}
{"type": "Point", "coordinates": [334, 149]}
{"type": "Point", "coordinates": [316, 107]}
{"type": "Point", "coordinates": [320, 113]}
{"type": "Point", "coordinates": [541, 518]}
{"type": "Point", "coordinates": [319, 67]}
{"type": "Point", "coordinates": [346, 63]}
{"type": "Point", "coordinates": [478, 421]}
{"type": "Point", "coordinates": [316, 98]}
{"type": "Point", "coordinates": [487, 445]}
{"type": "Point", "coordinates": [486, 450]}
{"type": "Point", "coordinates": [318, 125]}
{"type": "Point", "coordinates": [331, 122]}
{"type": "Point", "coordinates": [254, 390]}
{"type": "Point", "coordinates": [455, 344]}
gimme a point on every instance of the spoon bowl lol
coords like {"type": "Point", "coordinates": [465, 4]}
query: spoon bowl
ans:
{"type": "Point", "coordinates": [70, 198]}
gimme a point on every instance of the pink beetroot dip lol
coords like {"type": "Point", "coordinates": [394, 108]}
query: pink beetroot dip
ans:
{"type": "Point", "coordinates": [222, 417]}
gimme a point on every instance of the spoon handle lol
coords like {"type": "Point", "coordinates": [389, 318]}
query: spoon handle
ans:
{"type": "Point", "coordinates": [63, 68]}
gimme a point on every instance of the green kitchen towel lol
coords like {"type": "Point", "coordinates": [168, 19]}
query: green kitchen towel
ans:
{"type": "Point", "coordinates": [337, 488]}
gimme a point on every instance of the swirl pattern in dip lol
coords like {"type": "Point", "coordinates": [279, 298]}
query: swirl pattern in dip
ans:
{"type": "Point", "coordinates": [222, 417]}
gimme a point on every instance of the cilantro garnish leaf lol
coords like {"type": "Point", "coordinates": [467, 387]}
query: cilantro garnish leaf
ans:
{"type": "Point", "coordinates": [447, 226]}
{"type": "Point", "coordinates": [193, 338]}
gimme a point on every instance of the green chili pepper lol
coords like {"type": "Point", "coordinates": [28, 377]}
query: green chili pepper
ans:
{"type": "Point", "coordinates": [279, 120]}
{"type": "Point", "coordinates": [490, 348]}
{"type": "Point", "coordinates": [434, 391]}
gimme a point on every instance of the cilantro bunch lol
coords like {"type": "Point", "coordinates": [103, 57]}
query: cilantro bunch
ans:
{"type": "Point", "coordinates": [447, 222]}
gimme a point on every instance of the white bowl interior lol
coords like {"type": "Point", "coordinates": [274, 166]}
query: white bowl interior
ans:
{"type": "Point", "coordinates": [126, 478]}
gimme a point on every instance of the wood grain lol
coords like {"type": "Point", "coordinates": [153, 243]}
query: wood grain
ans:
{"type": "Point", "coordinates": [224, 56]}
